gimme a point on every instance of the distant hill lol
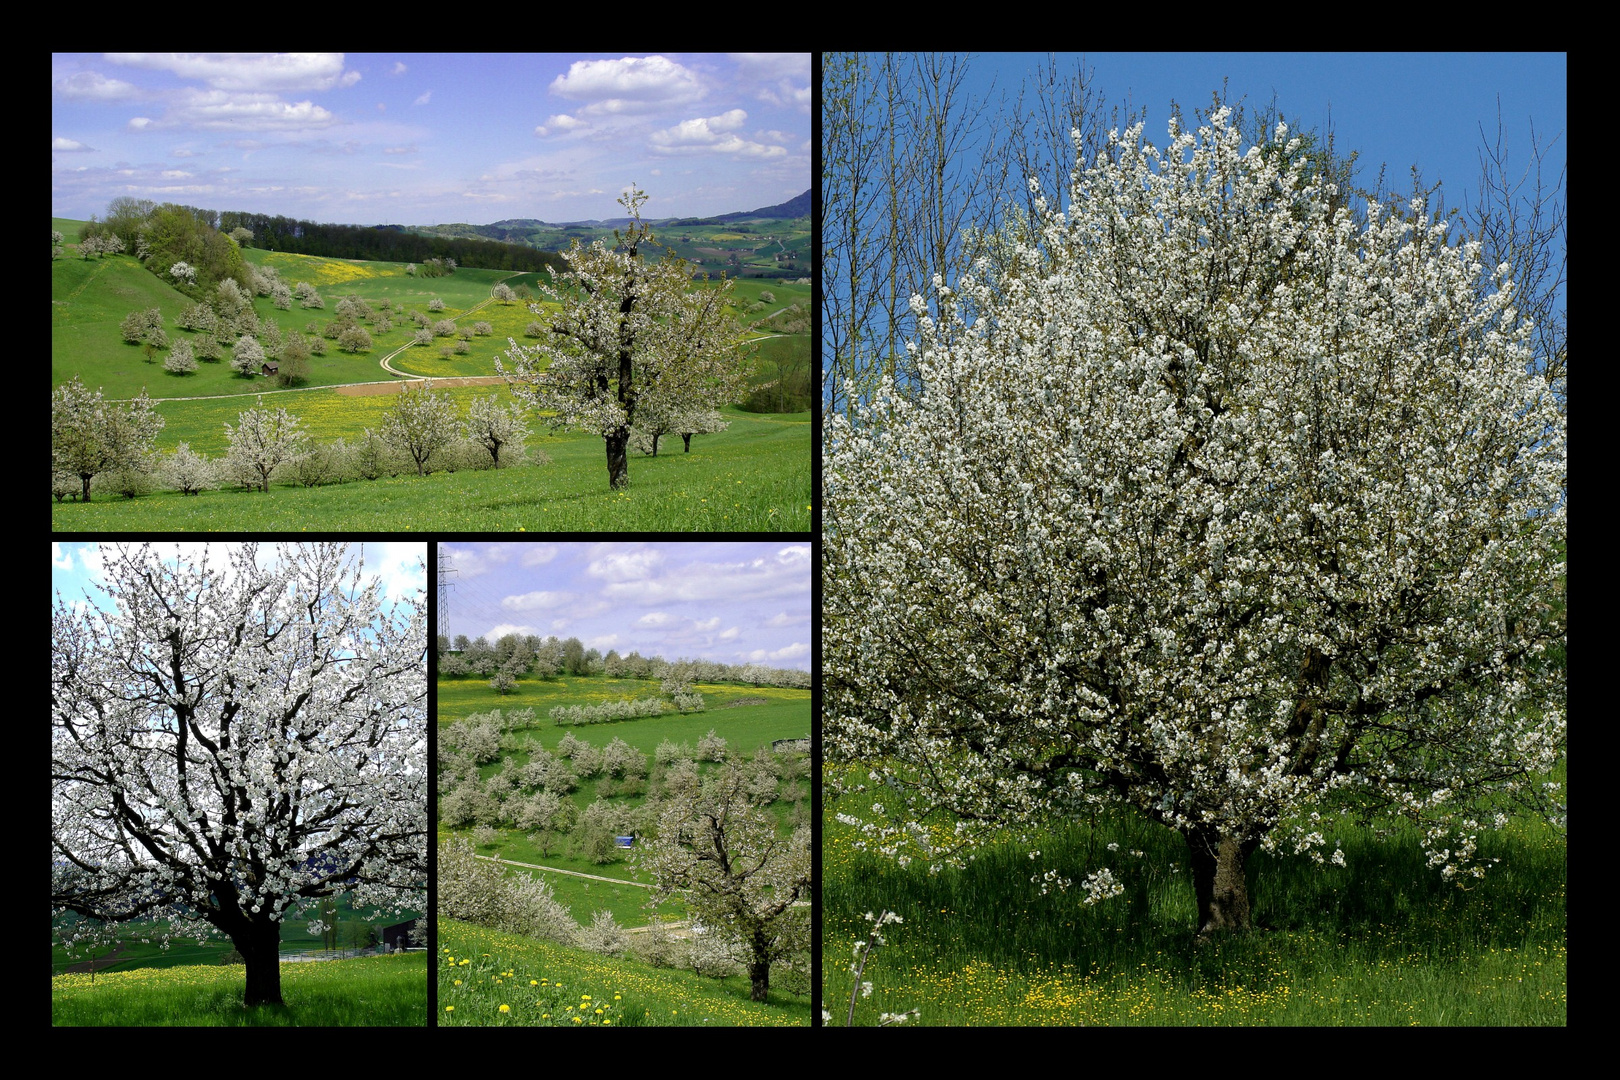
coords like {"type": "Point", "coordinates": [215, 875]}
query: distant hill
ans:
{"type": "Point", "coordinates": [796, 207]}
{"type": "Point", "coordinates": [770, 242]}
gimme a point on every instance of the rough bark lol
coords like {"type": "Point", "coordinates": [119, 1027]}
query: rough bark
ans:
{"type": "Point", "coordinates": [261, 951]}
{"type": "Point", "coordinates": [759, 969]}
{"type": "Point", "coordinates": [258, 938]}
{"type": "Point", "coordinates": [1219, 880]}
{"type": "Point", "coordinates": [618, 465]}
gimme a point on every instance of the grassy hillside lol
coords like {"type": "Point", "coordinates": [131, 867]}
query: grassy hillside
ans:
{"type": "Point", "coordinates": [490, 979]}
{"type": "Point", "coordinates": [746, 717]}
{"type": "Point", "coordinates": [90, 298]}
{"type": "Point", "coordinates": [753, 477]}
{"type": "Point", "coordinates": [1382, 940]}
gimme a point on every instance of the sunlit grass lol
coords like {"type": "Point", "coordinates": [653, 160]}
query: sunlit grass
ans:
{"type": "Point", "coordinates": [545, 985]}
{"type": "Point", "coordinates": [1382, 941]}
{"type": "Point", "coordinates": [381, 991]}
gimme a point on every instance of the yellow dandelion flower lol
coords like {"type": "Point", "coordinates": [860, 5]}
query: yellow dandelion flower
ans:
{"type": "Point", "coordinates": [506, 1008]}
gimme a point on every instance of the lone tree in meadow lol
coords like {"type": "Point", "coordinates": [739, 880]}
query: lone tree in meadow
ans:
{"type": "Point", "coordinates": [719, 847]}
{"type": "Point", "coordinates": [630, 329]}
{"type": "Point", "coordinates": [262, 441]}
{"type": "Point", "coordinates": [420, 424]}
{"type": "Point", "coordinates": [235, 738]}
{"type": "Point", "coordinates": [91, 436]}
{"type": "Point", "coordinates": [1209, 502]}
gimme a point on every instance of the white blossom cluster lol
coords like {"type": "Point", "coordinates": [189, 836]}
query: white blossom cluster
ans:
{"type": "Point", "coordinates": [1210, 502]}
{"type": "Point", "coordinates": [231, 743]}
{"type": "Point", "coordinates": [633, 338]}
{"type": "Point", "coordinates": [605, 711]}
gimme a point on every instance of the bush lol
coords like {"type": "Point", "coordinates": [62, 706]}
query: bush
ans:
{"type": "Point", "coordinates": [563, 715]}
{"type": "Point", "coordinates": [479, 737]}
{"type": "Point", "coordinates": [659, 947]}
{"type": "Point", "coordinates": [712, 747]}
{"type": "Point", "coordinates": [477, 891]}
{"type": "Point", "coordinates": [668, 752]}
{"type": "Point", "coordinates": [620, 759]}
{"type": "Point", "coordinates": [605, 936]}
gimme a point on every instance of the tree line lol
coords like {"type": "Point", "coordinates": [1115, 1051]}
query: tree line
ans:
{"type": "Point", "coordinates": [202, 237]}
{"type": "Point", "coordinates": [517, 655]}
{"type": "Point", "coordinates": [382, 243]}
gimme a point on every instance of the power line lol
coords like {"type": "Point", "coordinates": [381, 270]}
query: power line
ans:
{"type": "Point", "coordinates": [444, 591]}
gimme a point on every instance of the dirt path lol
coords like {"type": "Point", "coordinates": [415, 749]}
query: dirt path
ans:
{"type": "Point", "coordinates": [97, 964]}
{"type": "Point", "coordinates": [369, 389]}
{"type": "Point", "coordinates": [570, 873]}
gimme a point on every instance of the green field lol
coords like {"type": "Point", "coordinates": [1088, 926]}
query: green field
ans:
{"type": "Point", "coordinates": [539, 984]}
{"type": "Point", "coordinates": [754, 477]}
{"type": "Point", "coordinates": [379, 991]}
{"type": "Point", "coordinates": [785, 715]}
{"type": "Point", "coordinates": [1381, 941]}
{"type": "Point", "coordinates": [135, 953]}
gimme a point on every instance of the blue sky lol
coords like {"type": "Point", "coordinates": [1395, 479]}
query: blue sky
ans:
{"type": "Point", "coordinates": [734, 603]}
{"type": "Point", "coordinates": [77, 568]}
{"type": "Point", "coordinates": [427, 138]}
{"type": "Point", "coordinates": [1395, 108]}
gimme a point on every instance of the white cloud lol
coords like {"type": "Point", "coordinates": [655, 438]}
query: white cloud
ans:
{"type": "Point", "coordinates": [560, 124]}
{"type": "Point", "coordinates": [712, 134]}
{"type": "Point", "coordinates": [626, 566]}
{"type": "Point", "coordinates": [92, 86]}
{"type": "Point", "coordinates": [220, 110]}
{"type": "Point", "coordinates": [655, 618]}
{"type": "Point", "coordinates": [536, 601]}
{"type": "Point", "coordinates": [250, 72]}
{"type": "Point", "coordinates": [629, 85]}
{"type": "Point", "coordinates": [400, 566]}
{"type": "Point", "coordinates": [789, 652]}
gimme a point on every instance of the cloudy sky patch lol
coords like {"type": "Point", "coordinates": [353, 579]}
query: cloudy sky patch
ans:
{"type": "Point", "coordinates": [557, 137]}
{"type": "Point", "coordinates": [735, 603]}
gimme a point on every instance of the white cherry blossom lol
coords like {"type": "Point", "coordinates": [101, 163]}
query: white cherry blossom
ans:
{"type": "Point", "coordinates": [232, 743]}
{"type": "Point", "coordinates": [1207, 503]}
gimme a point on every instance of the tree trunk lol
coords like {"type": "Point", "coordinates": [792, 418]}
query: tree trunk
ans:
{"type": "Point", "coordinates": [759, 969]}
{"type": "Point", "coordinates": [618, 467]}
{"type": "Point", "coordinates": [688, 439]}
{"type": "Point", "coordinates": [1219, 880]}
{"type": "Point", "coordinates": [258, 939]}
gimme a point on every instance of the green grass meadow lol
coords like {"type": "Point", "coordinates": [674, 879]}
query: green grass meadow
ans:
{"type": "Point", "coordinates": [490, 979]}
{"type": "Point", "coordinates": [753, 477]}
{"type": "Point", "coordinates": [785, 715]}
{"type": "Point", "coordinates": [1382, 941]}
{"type": "Point", "coordinates": [373, 991]}
{"type": "Point", "coordinates": [481, 970]}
